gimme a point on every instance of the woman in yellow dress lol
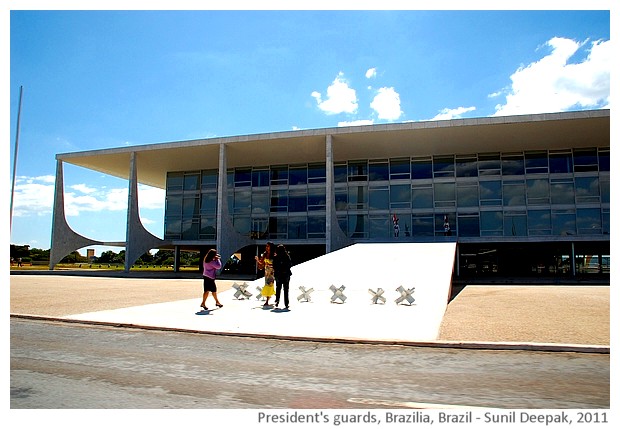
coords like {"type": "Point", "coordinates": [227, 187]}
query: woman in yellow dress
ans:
{"type": "Point", "coordinates": [266, 262]}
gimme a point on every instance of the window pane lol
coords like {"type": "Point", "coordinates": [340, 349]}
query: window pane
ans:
{"type": "Point", "coordinates": [561, 162]}
{"type": "Point", "coordinates": [191, 229]}
{"type": "Point", "coordinates": [298, 176]}
{"type": "Point", "coordinates": [316, 226]}
{"type": "Point", "coordinates": [467, 195]}
{"type": "Point", "coordinates": [297, 228]}
{"type": "Point", "coordinates": [279, 200]}
{"type": "Point", "coordinates": [491, 193]}
{"type": "Point", "coordinates": [585, 160]}
{"type": "Point", "coordinates": [562, 191]}
{"type": "Point", "coordinates": [174, 182]}
{"type": "Point", "coordinates": [279, 175]}
{"type": "Point", "coordinates": [378, 171]}
{"type": "Point", "coordinates": [243, 177]}
{"type": "Point", "coordinates": [378, 198]}
{"type": "Point", "coordinates": [209, 203]}
{"type": "Point", "coordinates": [586, 190]}
{"type": "Point", "coordinates": [536, 162]}
{"type": "Point", "coordinates": [512, 164]}
{"type": "Point", "coordinates": [489, 164]}
{"type": "Point", "coordinates": [341, 197]}
{"type": "Point", "coordinates": [174, 205]}
{"type": "Point", "coordinates": [444, 192]}
{"type": "Point", "coordinates": [400, 169]}
{"type": "Point", "coordinates": [589, 221]}
{"type": "Point", "coordinates": [422, 196]}
{"type": "Point", "coordinates": [358, 226]}
{"type": "Point", "coordinates": [278, 227]}
{"type": "Point", "coordinates": [209, 179]}
{"type": "Point", "coordinates": [316, 199]}
{"type": "Point", "coordinates": [358, 171]}
{"type": "Point", "coordinates": [421, 168]}
{"type": "Point", "coordinates": [539, 222]}
{"type": "Point", "coordinates": [443, 166]}
{"type": "Point", "coordinates": [537, 191]}
{"type": "Point", "coordinates": [340, 173]}
{"type": "Point", "coordinates": [260, 178]}
{"type": "Point", "coordinates": [563, 222]}
{"type": "Point", "coordinates": [380, 227]}
{"type": "Point", "coordinates": [491, 223]}
{"type": "Point", "coordinates": [400, 196]}
{"type": "Point", "coordinates": [243, 202]}
{"type": "Point", "coordinates": [466, 166]}
{"type": "Point", "coordinates": [358, 197]}
{"type": "Point", "coordinates": [260, 203]}
{"type": "Point", "coordinates": [422, 226]}
{"type": "Point", "coordinates": [208, 227]}
{"type": "Point", "coordinates": [515, 224]}
{"type": "Point", "coordinates": [469, 226]}
{"type": "Point", "coordinates": [603, 159]}
{"type": "Point", "coordinates": [316, 173]}
{"type": "Point", "coordinates": [190, 182]}
{"type": "Point", "coordinates": [514, 193]}
{"type": "Point", "coordinates": [297, 201]}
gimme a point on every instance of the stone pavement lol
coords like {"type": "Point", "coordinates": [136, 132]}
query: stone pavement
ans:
{"type": "Point", "coordinates": [564, 318]}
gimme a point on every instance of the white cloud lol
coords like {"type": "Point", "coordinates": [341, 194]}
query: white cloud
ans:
{"type": "Point", "coordinates": [387, 104]}
{"type": "Point", "coordinates": [371, 73]}
{"type": "Point", "coordinates": [553, 84]}
{"type": "Point", "coordinates": [340, 97]}
{"type": "Point", "coordinates": [35, 196]}
{"type": "Point", "coordinates": [83, 188]}
{"type": "Point", "coordinates": [446, 113]}
{"type": "Point", "coordinates": [355, 123]}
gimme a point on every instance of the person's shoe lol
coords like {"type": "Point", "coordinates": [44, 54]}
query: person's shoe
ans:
{"type": "Point", "coordinates": [204, 307]}
{"type": "Point", "coordinates": [276, 303]}
{"type": "Point", "coordinates": [219, 305]}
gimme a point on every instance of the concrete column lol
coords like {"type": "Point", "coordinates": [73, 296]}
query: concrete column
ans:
{"type": "Point", "coordinates": [139, 240]}
{"type": "Point", "coordinates": [64, 239]}
{"type": "Point", "coordinates": [335, 238]}
{"type": "Point", "coordinates": [228, 239]}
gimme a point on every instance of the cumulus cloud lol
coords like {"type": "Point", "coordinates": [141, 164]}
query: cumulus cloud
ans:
{"type": "Point", "coordinates": [555, 84]}
{"type": "Point", "coordinates": [340, 97]}
{"type": "Point", "coordinates": [387, 104]}
{"type": "Point", "coordinates": [35, 196]}
{"type": "Point", "coordinates": [446, 113]}
{"type": "Point", "coordinates": [370, 73]}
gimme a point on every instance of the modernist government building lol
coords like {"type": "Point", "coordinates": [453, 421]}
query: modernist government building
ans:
{"type": "Point", "coordinates": [522, 196]}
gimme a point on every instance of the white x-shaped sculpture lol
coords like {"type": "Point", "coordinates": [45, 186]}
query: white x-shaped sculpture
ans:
{"type": "Point", "coordinates": [405, 294]}
{"type": "Point", "coordinates": [259, 295]}
{"type": "Point", "coordinates": [376, 296]}
{"type": "Point", "coordinates": [338, 293]}
{"type": "Point", "coordinates": [305, 293]}
{"type": "Point", "coordinates": [241, 290]}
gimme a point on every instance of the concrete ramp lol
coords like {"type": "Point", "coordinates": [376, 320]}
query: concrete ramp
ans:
{"type": "Point", "coordinates": [425, 267]}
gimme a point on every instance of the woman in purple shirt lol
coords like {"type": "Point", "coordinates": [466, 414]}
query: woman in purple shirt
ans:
{"type": "Point", "coordinates": [210, 265]}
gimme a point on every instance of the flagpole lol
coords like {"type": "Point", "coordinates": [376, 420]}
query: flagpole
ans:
{"type": "Point", "coordinates": [19, 114]}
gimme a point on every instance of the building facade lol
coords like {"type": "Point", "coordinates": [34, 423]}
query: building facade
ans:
{"type": "Point", "coordinates": [522, 196]}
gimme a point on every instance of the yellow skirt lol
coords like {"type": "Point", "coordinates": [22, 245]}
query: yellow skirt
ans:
{"type": "Point", "coordinates": [268, 290]}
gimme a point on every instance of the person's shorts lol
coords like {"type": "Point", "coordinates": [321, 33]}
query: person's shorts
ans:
{"type": "Point", "coordinates": [209, 285]}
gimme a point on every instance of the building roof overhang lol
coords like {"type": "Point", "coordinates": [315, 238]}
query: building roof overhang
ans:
{"type": "Point", "coordinates": [457, 136]}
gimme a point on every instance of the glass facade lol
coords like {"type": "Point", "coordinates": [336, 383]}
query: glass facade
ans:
{"type": "Point", "coordinates": [518, 194]}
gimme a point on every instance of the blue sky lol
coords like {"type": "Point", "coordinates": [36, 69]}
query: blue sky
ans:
{"type": "Point", "coordinates": [106, 79]}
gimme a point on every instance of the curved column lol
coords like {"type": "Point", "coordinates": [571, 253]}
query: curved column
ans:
{"type": "Point", "coordinates": [139, 240]}
{"type": "Point", "coordinates": [228, 239]}
{"type": "Point", "coordinates": [64, 239]}
{"type": "Point", "coordinates": [335, 238]}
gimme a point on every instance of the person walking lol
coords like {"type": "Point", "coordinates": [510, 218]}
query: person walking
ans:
{"type": "Point", "coordinates": [282, 273]}
{"type": "Point", "coordinates": [210, 265]}
{"type": "Point", "coordinates": [265, 261]}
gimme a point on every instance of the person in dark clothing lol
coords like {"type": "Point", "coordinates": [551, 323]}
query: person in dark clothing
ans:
{"type": "Point", "coordinates": [282, 271]}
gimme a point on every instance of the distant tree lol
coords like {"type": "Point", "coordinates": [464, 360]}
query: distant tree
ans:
{"type": "Point", "coordinates": [74, 258]}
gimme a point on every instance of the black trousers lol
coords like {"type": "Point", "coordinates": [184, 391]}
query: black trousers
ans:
{"type": "Point", "coordinates": [282, 283]}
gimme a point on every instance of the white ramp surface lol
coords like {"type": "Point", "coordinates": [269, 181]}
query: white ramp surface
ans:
{"type": "Point", "coordinates": [424, 267]}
